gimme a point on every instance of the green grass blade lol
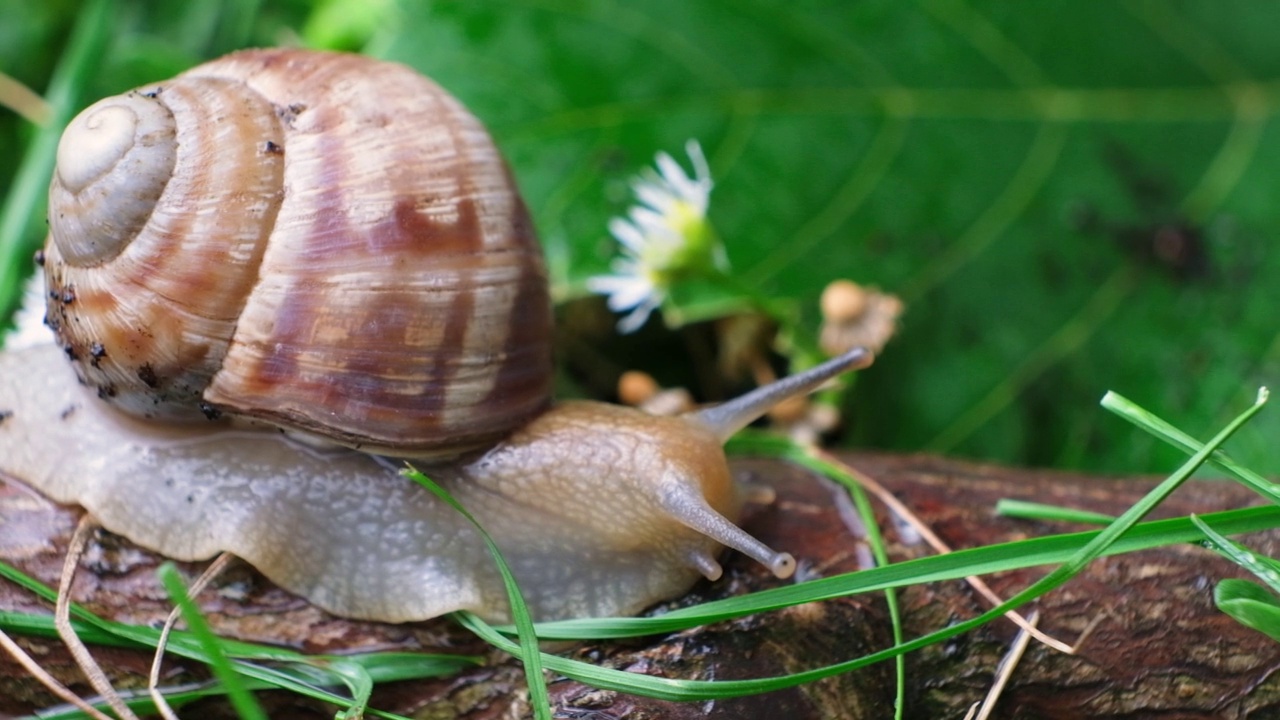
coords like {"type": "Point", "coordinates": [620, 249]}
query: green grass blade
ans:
{"type": "Point", "coordinates": [538, 696]}
{"type": "Point", "coordinates": [881, 553]}
{"type": "Point", "coordinates": [235, 25]}
{"type": "Point", "coordinates": [1123, 535]}
{"type": "Point", "coordinates": [875, 540]}
{"type": "Point", "coordinates": [1100, 543]}
{"type": "Point", "coordinates": [1073, 551]}
{"type": "Point", "coordinates": [178, 696]}
{"type": "Point", "coordinates": [303, 674]}
{"type": "Point", "coordinates": [1240, 555]}
{"type": "Point", "coordinates": [393, 666]}
{"type": "Point", "coordinates": [382, 665]}
{"type": "Point", "coordinates": [1034, 552]}
{"type": "Point", "coordinates": [24, 208]}
{"type": "Point", "coordinates": [1148, 421]}
{"type": "Point", "coordinates": [140, 700]}
{"type": "Point", "coordinates": [241, 698]}
{"type": "Point", "coordinates": [1049, 513]}
{"type": "Point", "coordinates": [357, 680]}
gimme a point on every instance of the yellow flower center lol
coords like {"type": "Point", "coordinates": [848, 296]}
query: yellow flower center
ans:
{"type": "Point", "coordinates": [689, 246]}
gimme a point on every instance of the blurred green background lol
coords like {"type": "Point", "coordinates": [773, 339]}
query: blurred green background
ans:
{"type": "Point", "coordinates": [1070, 196]}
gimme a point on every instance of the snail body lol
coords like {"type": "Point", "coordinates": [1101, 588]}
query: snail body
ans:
{"type": "Point", "coordinates": [361, 271]}
{"type": "Point", "coordinates": [352, 535]}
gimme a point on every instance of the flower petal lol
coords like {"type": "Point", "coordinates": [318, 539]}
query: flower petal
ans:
{"type": "Point", "coordinates": [701, 170]}
{"type": "Point", "coordinates": [658, 198]}
{"type": "Point", "coordinates": [624, 292]}
{"type": "Point", "coordinates": [627, 234]}
{"type": "Point", "coordinates": [638, 317]}
{"type": "Point", "coordinates": [663, 234]}
{"type": "Point", "coordinates": [675, 177]}
{"type": "Point", "coordinates": [648, 221]}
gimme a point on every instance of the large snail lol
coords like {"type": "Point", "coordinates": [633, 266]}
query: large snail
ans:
{"type": "Point", "coordinates": [331, 245]}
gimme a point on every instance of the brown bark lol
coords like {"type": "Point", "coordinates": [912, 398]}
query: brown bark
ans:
{"type": "Point", "coordinates": [1158, 647]}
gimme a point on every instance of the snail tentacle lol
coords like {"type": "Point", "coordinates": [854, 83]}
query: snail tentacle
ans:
{"type": "Point", "coordinates": [730, 417]}
{"type": "Point", "coordinates": [332, 246]}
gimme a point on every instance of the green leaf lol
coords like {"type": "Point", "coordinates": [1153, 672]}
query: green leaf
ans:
{"type": "Point", "coordinates": [1070, 196]}
{"type": "Point", "coordinates": [1250, 604]}
{"type": "Point", "coordinates": [346, 24]}
{"type": "Point", "coordinates": [1014, 171]}
{"type": "Point", "coordinates": [25, 203]}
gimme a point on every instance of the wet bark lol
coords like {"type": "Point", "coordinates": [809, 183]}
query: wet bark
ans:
{"type": "Point", "coordinates": [1157, 646]}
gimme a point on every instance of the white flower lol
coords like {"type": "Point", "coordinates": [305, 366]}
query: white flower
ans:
{"type": "Point", "coordinates": [28, 323]}
{"type": "Point", "coordinates": [664, 237]}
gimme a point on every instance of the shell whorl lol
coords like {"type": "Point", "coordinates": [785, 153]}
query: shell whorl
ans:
{"type": "Point", "coordinates": [339, 249]}
{"type": "Point", "coordinates": [112, 164]}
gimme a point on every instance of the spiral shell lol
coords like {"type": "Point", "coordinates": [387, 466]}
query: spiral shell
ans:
{"type": "Point", "coordinates": [324, 242]}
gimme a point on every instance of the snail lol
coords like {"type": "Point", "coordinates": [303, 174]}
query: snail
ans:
{"type": "Point", "coordinates": [281, 269]}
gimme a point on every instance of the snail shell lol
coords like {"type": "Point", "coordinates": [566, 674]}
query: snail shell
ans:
{"type": "Point", "coordinates": [324, 242]}
{"type": "Point", "coordinates": [332, 244]}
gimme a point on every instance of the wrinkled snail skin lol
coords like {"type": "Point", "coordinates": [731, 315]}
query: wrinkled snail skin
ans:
{"type": "Point", "coordinates": [344, 530]}
{"type": "Point", "coordinates": [285, 244]}
{"type": "Point", "coordinates": [190, 493]}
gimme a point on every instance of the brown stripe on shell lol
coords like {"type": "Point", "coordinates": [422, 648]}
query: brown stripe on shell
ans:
{"type": "Point", "coordinates": [526, 370]}
{"type": "Point", "coordinates": [448, 350]}
{"type": "Point", "coordinates": [467, 369]}
{"type": "Point", "coordinates": [366, 325]}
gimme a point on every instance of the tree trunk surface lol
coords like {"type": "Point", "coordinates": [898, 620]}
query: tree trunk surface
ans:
{"type": "Point", "coordinates": [1156, 645]}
